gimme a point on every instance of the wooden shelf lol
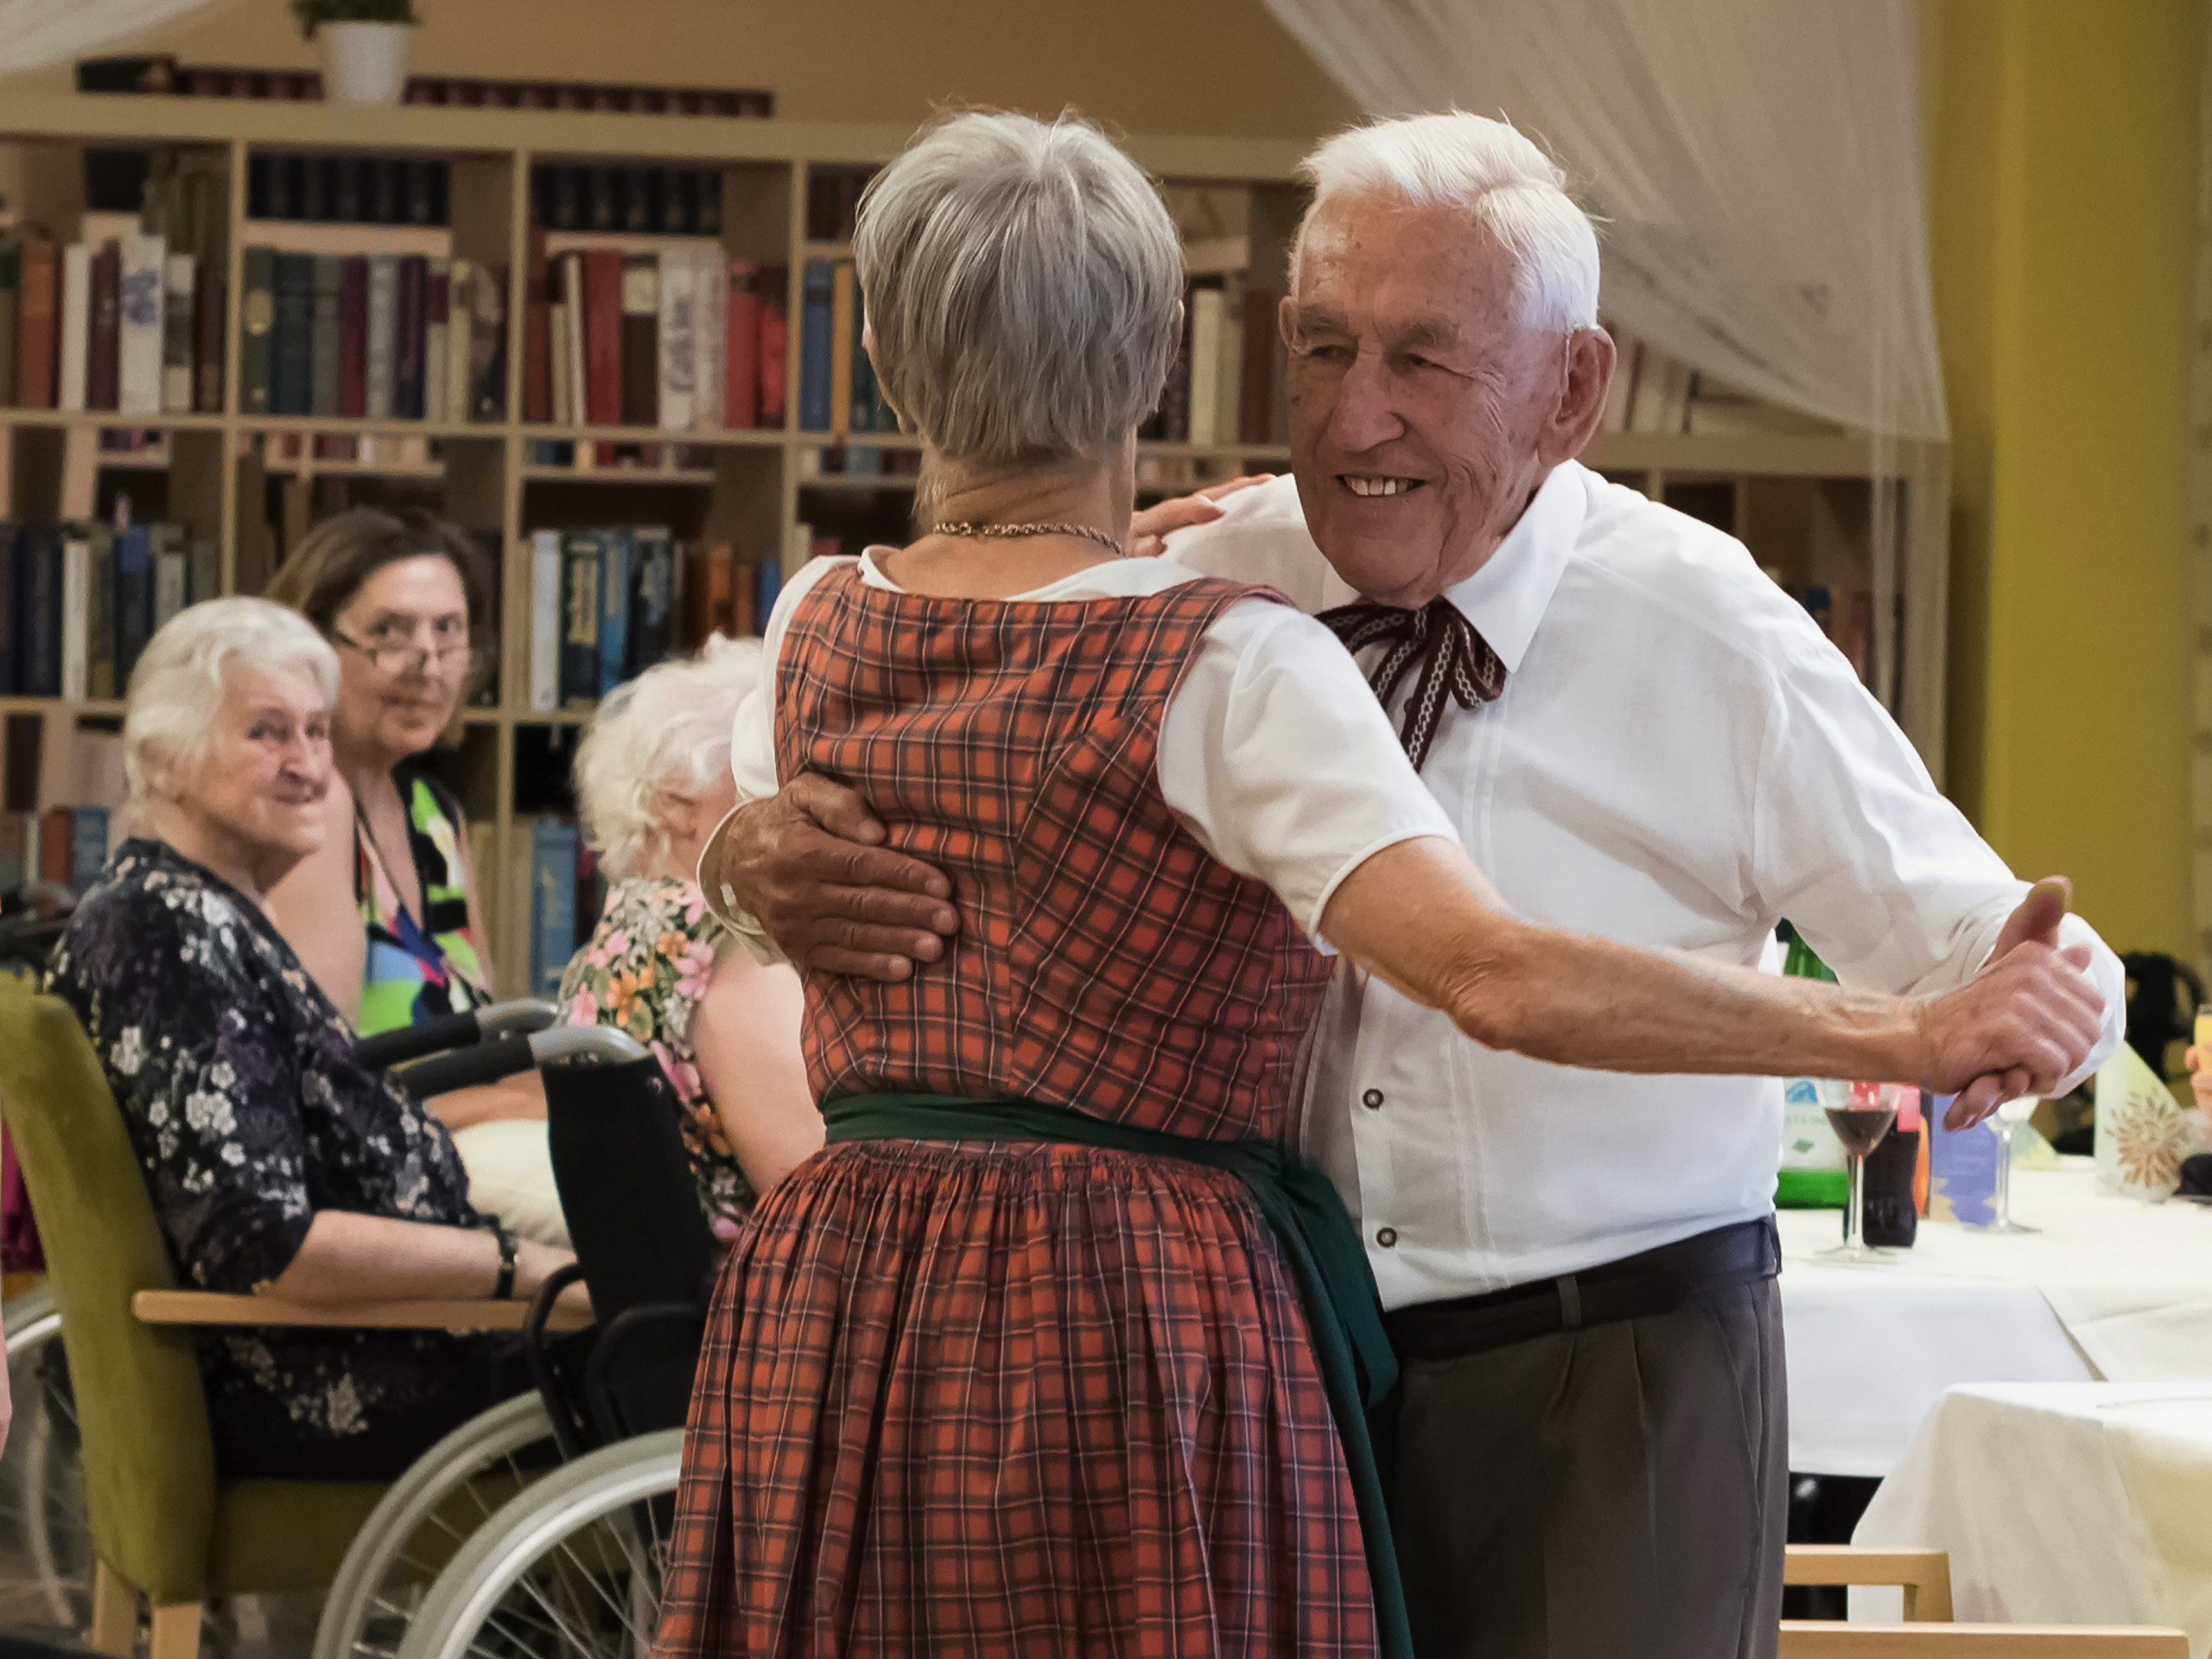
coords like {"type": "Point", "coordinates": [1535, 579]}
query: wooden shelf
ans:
{"type": "Point", "coordinates": [1754, 454]}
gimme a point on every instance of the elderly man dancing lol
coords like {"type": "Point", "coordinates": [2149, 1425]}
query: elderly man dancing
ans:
{"type": "Point", "coordinates": [1015, 1382]}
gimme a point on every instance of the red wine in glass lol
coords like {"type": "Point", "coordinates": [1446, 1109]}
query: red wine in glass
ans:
{"type": "Point", "coordinates": [1860, 1128]}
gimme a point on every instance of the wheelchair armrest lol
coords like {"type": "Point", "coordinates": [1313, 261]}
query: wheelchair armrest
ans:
{"type": "Point", "coordinates": [205, 1307]}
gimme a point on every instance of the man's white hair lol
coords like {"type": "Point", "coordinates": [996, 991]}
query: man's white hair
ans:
{"type": "Point", "coordinates": [1502, 181]}
{"type": "Point", "coordinates": [176, 690]}
{"type": "Point", "coordinates": [668, 729]}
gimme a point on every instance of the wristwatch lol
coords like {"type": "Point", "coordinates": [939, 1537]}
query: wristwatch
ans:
{"type": "Point", "coordinates": [504, 1291]}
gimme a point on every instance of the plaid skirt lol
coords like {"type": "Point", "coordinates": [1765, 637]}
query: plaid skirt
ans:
{"type": "Point", "coordinates": [1020, 1401]}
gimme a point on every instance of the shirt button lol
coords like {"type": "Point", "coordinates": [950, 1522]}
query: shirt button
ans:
{"type": "Point", "coordinates": [1371, 1099]}
{"type": "Point", "coordinates": [1387, 1237]}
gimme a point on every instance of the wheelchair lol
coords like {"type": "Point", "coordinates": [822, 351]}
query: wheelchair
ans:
{"type": "Point", "coordinates": [646, 1254]}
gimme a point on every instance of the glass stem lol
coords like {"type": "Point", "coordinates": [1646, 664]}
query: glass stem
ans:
{"type": "Point", "coordinates": [1855, 1234]}
{"type": "Point", "coordinates": [2004, 1172]}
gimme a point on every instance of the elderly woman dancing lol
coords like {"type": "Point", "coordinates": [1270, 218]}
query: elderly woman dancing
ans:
{"type": "Point", "coordinates": [1054, 1350]}
{"type": "Point", "coordinates": [274, 1163]}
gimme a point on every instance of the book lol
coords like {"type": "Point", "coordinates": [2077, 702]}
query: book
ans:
{"type": "Point", "coordinates": [580, 563]}
{"type": "Point", "coordinates": [11, 280]}
{"type": "Point", "coordinates": [354, 337]}
{"type": "Point", "coordinates": [1255, 402]}
{"type": "Point", "coordinates": [180, 333]}
{"type": "Point", "coordinates": [487, 344]}
{"type": "Point", "coordinates": [602, 321]}
{"type": "Point", "coordinates": [544, 622]}
{"type": "Point", "coordinates": [514, 923]}
{"type": "Point", "coordinates": [642, 362]}
{"type": "Point", "coordinates": [553, 893]}
{"type": "Point", "coordinates": [407, 369]}
{"type": "Point", "coordinates": [1206, 305]}
{"type": "Point", "coordinates": [817, 300]}
{"type": "Point", "coordinates": [741, 347]}
{"type": "Point", "coordinates": [104, 336]}
{"type": "Point", "coordinates": [56, 839]}
{"type": "Point", "coordinates": [844, 338]}
{"type": "Point", "coordinates": [559, 405]}
{"type": "Point", "coordinates": [38, 318]}
{"type": "Point", "coordinates": [768, 582]}
{"type": "Point", "coordinates": [461, 285]}
{"type": "Point", "coordinates": [1228, 382]}
{"type": "Point", "coordinates": [15, 843]}
{"type": "Point", "coordinates": [709, 320]}
{"type": "Point", "coordinates": [142, 275]}
{"type": "Point", "coordinates": [75, 341]}
{"type": "Point", "coordinates": [292, 367]}
{"type": "Point", "coordinates": [99, 614]}
{"type": "Point", "coordinates": [616, 547]}
{"type": "Point", "coordinates": [133, 601]}
{"type": "Point", "coordinates": [327, 344]}
{"type": "Point", "coordinates": [172, 574]}
{"type": "Point", "coordinates": [436, 287]}
{"type": "Point", "coordinates": [87, 846]}
{"type": "Point", "coordinates": [10, 539]}
{"type": "Point", "coordinates": [667, 376]}
{"type": "Point", "coordinates": [773, 287]}
{"type": "Point", "coordinates": [573, 309]}
{"type": "Point", "coordinates": [383, 330]}
{"type": "Point", "coordinates": [37, 613]}
{"type": "Point", "coordinates": [257, 325]}
{"type": "Point", "coordinates": [537, 333]}
{"type": "Point", "coordinates": [652, 599]}
{"type": "Point", "coordinates": [76, 619]}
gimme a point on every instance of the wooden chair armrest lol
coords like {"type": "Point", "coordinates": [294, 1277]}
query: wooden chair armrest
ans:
{"type": "Point", "coordinates": [1924, 1575]}
{"type": "Point", "coordinates": [205, 1308]}
{"type": "Point", "coordinates": [1803, 1640]}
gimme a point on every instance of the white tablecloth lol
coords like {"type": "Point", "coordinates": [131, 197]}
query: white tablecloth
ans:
{"type": "Point", "coordinates": [2059, 1503]}
{"type": "Point", "coordinates": [2112, 1290]}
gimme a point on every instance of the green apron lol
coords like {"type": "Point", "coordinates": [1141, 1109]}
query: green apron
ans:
{"type": "Point", "coordinates": [1326, 1261]}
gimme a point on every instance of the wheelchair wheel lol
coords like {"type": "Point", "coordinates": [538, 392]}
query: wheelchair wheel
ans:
{"type": "Point", "coordinates": [46, 1546]}
{"type": "Point", "coordinates": [571, 1569]}
{"type": "Point", "coordinates": [429, 1513]}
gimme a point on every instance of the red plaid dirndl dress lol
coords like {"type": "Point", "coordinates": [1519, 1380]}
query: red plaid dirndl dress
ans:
{"type": "Point", "coordinates": [1024, 1400]}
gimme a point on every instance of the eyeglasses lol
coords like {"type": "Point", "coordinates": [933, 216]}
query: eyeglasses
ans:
{"type": "Point", "coordinates": [397, 658]}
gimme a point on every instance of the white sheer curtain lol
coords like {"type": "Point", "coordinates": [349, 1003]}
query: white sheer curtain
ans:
{"type": "Point", "coordinates": [1758, 164]}
{"type": "Point", "coordinates": [33, 32]}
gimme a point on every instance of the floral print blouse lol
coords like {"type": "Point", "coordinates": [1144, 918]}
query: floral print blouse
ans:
{"type": "Point", "coordinates": [237, 1083]}
{"type": "Point", "coordinates": [643, 970]}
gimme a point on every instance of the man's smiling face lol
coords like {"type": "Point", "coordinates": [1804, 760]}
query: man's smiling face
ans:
{"type": "Point", "coordinates": [1421, 406]}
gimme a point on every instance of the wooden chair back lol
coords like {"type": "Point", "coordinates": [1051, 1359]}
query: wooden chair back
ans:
{"type": "Point", "coordinates": [1924, 1575]}
{"type": "Point", "coordinates": [1803, 1639]}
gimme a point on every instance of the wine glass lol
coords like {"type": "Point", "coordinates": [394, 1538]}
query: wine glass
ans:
{"type": "Point", "coordinates": [2010, 1116]}
{"type": "Point", "coordinates": [1860, 1128]}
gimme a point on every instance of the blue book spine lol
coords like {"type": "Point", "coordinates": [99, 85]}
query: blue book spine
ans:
{"type": "Point", "coordinates": [133, 614]}
{"type": "Point", "coordinates": [41, 647]}
{"type": "Point", "coordinates": [292, 352]}
{"type": "Point", "coordinates": [553, 910]}
{"type": "Point", "coordinates": [580, 617]}
{"type": "Point", "coordinates": [815, 327]}
{"type": "Point", "coordinates": [87, 846]}
{"type": "Point", "coordinates": [769, 583]}
{"type": "Point", "coordinates": [614, 610]}
{"type": "Point", "coordinates": [10, 560]}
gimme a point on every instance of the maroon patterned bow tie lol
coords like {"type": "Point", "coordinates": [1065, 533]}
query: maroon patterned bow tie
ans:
{"type": "Point", "coordinates": [1455, 661]}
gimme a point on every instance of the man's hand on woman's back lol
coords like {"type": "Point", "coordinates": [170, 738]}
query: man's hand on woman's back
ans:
{"type": "Point", "coordinates": [808, 864]}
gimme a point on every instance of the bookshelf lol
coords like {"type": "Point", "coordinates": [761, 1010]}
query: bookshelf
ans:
{"type": "Point", "coordinates": [251, 481]}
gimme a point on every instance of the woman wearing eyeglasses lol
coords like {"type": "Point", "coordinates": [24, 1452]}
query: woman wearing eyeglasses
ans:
{"type": "Point", "coordinates": [388, 920]}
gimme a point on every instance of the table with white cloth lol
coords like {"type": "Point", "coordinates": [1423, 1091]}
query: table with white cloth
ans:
{"type": "Point", "coordinates": [2112, 1290]}
{"type": "Point", "coordinates": [2060, 1503]}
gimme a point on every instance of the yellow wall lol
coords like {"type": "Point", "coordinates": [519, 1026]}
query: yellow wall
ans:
{"type": "Point", "coordinates": [2063, 146]}
{"type": "Point", "coordinates": [1154, 66]}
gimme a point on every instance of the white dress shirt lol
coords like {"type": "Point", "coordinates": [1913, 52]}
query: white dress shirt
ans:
{"type": "Point", "coordinates": [1679, 759]}
{"type": "Point", "coordinates": [1272, 749]}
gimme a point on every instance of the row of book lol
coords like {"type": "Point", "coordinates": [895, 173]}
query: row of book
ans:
{"type": "Point", "coordinates": [687, 339]}
{"type": "Point", "coordinates": [373, 336]}
{"type": "Point", "coordinates": [632, 199]}
{"type": "Point", "coordinates": [837, 392]}
{"type": "Point", "coordinates": [1653, 391]}
{"type": "Point", "coordinates": [130, 325]}
{"type": "Point", "coordinates": [348, 189]}
{"type": "Point", "coordinates": [1225, 386]}
{"type": "Point", "coordinates": [164, 76]}
{"type": "Point", "coordinates": [605, 605]}
{"type": "Point", "coordinates": [550, 902]}
{"type": "Point", "coordinates": [83, 599]}
{"type": "Point", "coordinates": [62, 847]}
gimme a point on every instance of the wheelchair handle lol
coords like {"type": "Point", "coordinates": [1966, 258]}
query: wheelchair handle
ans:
{"type": "Point", "coordinates": [523, 1015]}
{"type": "Point", "coordinates": [503, 1056]}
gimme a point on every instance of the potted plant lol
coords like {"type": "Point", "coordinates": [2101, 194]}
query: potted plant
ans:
{"type": "Point", "coordinates": [363, 47]}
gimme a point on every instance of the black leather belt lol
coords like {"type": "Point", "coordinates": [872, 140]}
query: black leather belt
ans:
{"type": "Point", "coordinates": [1634, 1287]}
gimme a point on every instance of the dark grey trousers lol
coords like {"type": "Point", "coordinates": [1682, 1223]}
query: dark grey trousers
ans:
{"type": "Point", "coordinates": [1618, 1490]}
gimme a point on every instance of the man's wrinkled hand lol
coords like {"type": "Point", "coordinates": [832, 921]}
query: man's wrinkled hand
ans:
{"type": "Point", "coordinates": [809, 864]}
{"type": "Point", "coordinates": [1149, 530]}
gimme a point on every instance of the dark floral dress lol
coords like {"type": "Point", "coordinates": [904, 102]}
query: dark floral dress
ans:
{"type": "Point", "coordinates": [236, 1081]}
{"type": "Point", "coordinates": [643, 970]}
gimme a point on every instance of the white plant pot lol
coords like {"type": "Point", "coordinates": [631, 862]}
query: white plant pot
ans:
{"type": "Point", "coordinates": [364, 63]}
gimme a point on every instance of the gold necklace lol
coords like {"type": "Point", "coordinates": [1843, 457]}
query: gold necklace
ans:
{"type": "Point", "coordinates": [990, 532]}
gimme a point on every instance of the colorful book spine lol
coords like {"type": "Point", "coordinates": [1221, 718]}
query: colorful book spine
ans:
{"type": "Point", "coordinates": [38, 612]}
{"type": "Point", "coordinates": [742, 348]}
{"type": "Point", "coordinates": [76, 613]}
{"type": "Point", "coordinates": [648, 289]}
{"type": "Point", "coordinates": [257, 332]}
{"type": "Point", "coordinates": [817, 299]}
{"type": "Point", "coordinates": [87, 847]}
{"type": "Point", "coordinates": [553, 892]}
{"type": "Point", "coordinates": [326, 349]}
{"type": "Point", "coordinates": [774, 354]}
{"type": "Point", "coordinates": [141, 275]}
{"type": "Point", "coordinates": [616, 547]}
{"type": "Point", "coordinates": [38, 318]}
{"type": "Point", "coordinates": [710, 322]}
{"type": "Point", "coordinates": [292, 366]}
{"type": "Point", "coordinates": [103, 341]}
{"type": "Point", "coordinates": [652, 599]}
{"type": "Point", "coordinates": [134, 600]}
{"type": "Point", "coordinates": [11, 288]}
{"type": "Point", "coordinates": [460, 337]}
{"type": "Point", "coordinates": [354, 338]}
{"type": "Point", "coordinates": [179, 281]}
{"type": "Point", "coordinates": [537, 334]}
{"type": "Point", "coordinates": [487, 344]}
{"type": "Point", "coordinates": [436, 303]}
{"type": "Point", "coordinates": [581, 604]}
{"type": "Point", "coordinates": [672, 375]}
{"type": "Point", "coordinates": [74, 340]}
{"type": "Point", "coordinates": [544, 622]}
{"type": "Point", "coordinates": [384, 331]}
{"type": "Point", "coordinates": [408, 361]}
{"type": "Point", "coordinates": [603, 318]}
{"type": "Point", "coordinates": [211, 289]}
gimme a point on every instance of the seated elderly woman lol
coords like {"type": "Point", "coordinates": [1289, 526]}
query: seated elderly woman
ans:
{"type": "Point", "coordinates": [275, 1163]}
{"type": "Point", "coordinates": [653, 781]}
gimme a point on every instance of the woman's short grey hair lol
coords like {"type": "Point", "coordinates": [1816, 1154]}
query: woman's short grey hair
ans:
{"type": "Point", "coordinates": [1505, 183]}
{"type": "Point", "coordinates": [1022, 282]}
{"type": "Point", "coordinates": [177, 687]}
{"type": "Point", "coordinates": [667, 730]}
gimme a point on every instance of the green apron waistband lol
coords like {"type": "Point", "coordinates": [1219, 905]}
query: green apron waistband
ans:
{"type": "Point", "coordinates": [1300, 1204]}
